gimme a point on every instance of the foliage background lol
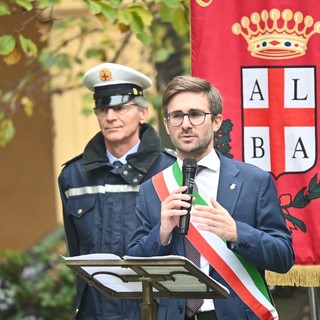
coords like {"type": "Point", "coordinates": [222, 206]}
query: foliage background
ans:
{"type": "Point", "coordinates": [36, 284]}
{"type": "Point", "coordinates": [162, 26]}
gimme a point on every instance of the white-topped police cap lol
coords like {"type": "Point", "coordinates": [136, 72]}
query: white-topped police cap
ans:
{"type": "Point", "coordinates": [115, 84]}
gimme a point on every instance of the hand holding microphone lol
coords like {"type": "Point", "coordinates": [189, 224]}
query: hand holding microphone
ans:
{"type": "Point", "coordinates": [189, 168]}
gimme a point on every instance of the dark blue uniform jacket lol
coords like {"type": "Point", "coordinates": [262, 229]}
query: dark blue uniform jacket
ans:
{"type": "Point", "coordinates": [99, 215]}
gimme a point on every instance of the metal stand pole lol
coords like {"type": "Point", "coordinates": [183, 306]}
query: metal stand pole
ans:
{"type": "Point", "coordinates": [148, 307]}
{"type": "Point", "coordinates": [313, 298]}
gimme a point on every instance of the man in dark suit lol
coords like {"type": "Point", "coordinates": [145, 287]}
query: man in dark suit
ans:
{"type": "Point", "coordinates": [237, 225]}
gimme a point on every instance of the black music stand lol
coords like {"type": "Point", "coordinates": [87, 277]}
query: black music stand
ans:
{"type": "Point", "coordinates": [146, 278]}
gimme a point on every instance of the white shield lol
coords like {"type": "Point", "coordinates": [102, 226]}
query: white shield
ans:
{"type": "Point", "coordinates": [279, 104]}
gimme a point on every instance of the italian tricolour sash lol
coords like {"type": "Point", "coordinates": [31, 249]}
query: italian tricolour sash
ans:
{"type": "Point", "coordinates": [242, 276]}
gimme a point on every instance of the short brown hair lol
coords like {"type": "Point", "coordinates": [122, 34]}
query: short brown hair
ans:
{"type": "Point", "coordinates": [192, 84]}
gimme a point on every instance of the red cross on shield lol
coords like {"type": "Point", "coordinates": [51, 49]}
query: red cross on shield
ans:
{"type": "Point", "coordinates": [279, 132]}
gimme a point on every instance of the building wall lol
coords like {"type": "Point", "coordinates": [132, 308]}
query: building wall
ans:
{"type": "Point", "coordinates": [27, 199]}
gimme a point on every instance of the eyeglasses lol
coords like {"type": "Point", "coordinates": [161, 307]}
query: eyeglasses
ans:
{"type": "Point", "coordinates": [196, 117]}
{"type": "Point", "coordinates": [119, 109]}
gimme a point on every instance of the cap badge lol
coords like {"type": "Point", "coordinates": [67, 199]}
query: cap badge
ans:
{"type": "Point", "coordinates": [105, 74]}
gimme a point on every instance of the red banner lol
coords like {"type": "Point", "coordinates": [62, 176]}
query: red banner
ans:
{"type": "Point", "coordinates": [264, 57]}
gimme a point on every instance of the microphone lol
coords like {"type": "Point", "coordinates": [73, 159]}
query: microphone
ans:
{"type": "Point", "coordinates": [189, 168]}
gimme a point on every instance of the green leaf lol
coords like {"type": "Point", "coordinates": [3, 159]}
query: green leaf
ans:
{"type": "Point", "coordinates": [47, 3]}
{"type": "Point", "coordinates": [95, 53]}
{"type": "Point", "coordinates": [48, 60]}
{"type": "Point", "coordinates": [162, 55]}
{"type": "Point", "coordinates": [4, 10]}
{"type": "Point", "coordinates": [299, 196]}
{"type": "Point", "coordinates": [87, 111]}
{"type": "Point", "coordinates": [28, 46]}
{"type": "Point", "coordinates": [26, 4]}
{"type": "Point", "coordinates": [144, 38]}
{"type": "Point", "coordinates": [313, 182]}
{"type": "Point", "coordinates": [87, 101]}
{"type": "Point", "coordinates": [109, 12]}
{"type": "Point", "coordinates": [115, 3]}
{"type": "Point", "coordinates": [172, 3]}
{"type": "Point", "coordinates": [180, 22]}
{"type": "Point", "coordinates": [144, 13]}
{"type": "Point", "coordinates": [7, 44]}
{"type": "Point", "coordinates": [297, 222]}
{"type": "Point", "coordinates": [95, 7]}
{"type": "Point", "coordinates": [62, 61]}
{"type": "Point", "coordinates": [136, 24]}
{"type": "Point", "coordinates": [167, 14]}
{"type": "Point", "coordinates": [125, 16]}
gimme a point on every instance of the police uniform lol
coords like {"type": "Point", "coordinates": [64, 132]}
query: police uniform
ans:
{"type": "Point", "coordinates": [98, 202]}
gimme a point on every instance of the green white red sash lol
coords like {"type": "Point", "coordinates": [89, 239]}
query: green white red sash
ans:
{"type": "Point", "coordinates": [242, 276]}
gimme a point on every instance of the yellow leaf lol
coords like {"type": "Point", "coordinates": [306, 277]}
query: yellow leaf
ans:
{"type": "Point", "coordinates": [123, 28]}
{"type": "Point", "coordinates": [13, 57]}
{"type": "Point", "coordinates": [101, 18]}
{"type": "Point", "coordinates": [28, 106]}
{"type": "Point", "coordinates": [7, 131]}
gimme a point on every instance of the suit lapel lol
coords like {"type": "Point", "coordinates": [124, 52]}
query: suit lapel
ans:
{"type": "Point", "coordinates": [229, 185]}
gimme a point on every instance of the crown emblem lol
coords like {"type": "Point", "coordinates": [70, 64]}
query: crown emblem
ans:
{"type": "Point", "coordinates": [276, 35]}
{"type": "Point", "coordinates": [105, 74]}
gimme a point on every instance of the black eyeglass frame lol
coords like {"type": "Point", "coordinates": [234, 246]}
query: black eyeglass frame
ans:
{"type": "Point", "coordinates": [120, 108]}
{"type": "Point", "coordinates": [204, 114]}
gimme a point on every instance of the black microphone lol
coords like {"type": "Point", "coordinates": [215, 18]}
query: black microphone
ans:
{"type": "Point", "coordinates": [189, 168]}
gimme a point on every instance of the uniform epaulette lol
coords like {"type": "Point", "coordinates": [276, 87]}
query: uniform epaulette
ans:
{"type": "Point", "coordinates": [170, 152]}
{"type": "Point", "coordinates": [72, 160]}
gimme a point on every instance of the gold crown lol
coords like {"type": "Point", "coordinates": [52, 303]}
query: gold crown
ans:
{"type": "Point", "coordinates": [276, 38]}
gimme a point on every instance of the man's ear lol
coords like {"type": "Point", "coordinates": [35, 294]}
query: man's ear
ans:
{"type": "Point", "coordinates": [144, 113]}
{"type": "Point", "coordinates": [217, 122]}
{"type": "Point", "coordinates": [166, 125]}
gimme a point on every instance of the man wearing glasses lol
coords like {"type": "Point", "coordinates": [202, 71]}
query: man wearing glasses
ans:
{"type": "Point", "coordinates": [237, 228]}
{"type": "Point", "coordinates": [99, 187]}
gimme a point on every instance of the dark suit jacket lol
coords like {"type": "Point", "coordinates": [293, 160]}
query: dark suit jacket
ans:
{"type": "Point", "coordinates": [263, 238]}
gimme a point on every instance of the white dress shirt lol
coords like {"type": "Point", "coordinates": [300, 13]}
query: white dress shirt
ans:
{"type": "Point", "coordinates": [207, 184]}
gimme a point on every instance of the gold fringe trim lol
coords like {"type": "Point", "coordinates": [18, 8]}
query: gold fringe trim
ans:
{"type": "Point", "coordinates": [299, 276]}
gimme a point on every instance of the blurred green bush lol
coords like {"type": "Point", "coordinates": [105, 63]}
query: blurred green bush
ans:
{"type": "Point", "coordinates": [36, 284]}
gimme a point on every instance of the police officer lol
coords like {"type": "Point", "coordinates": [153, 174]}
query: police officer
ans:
{"type": "Point", "coordinates": [99, 187]}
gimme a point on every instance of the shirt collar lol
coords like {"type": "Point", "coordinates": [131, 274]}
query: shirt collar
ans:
{"type": "Point", "coordinates": [211, 161]}
{"type": "Point", "coordinates": [112, 158]}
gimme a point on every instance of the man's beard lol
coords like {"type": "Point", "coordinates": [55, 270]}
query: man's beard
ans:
{"type": "Point", "coordinates": [195, 151]}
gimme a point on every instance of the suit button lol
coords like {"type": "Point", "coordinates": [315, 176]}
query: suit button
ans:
{"type": "Point", "coordinates": [180, 309]}
{"type": "Point", "coordinates": [154, 247]}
